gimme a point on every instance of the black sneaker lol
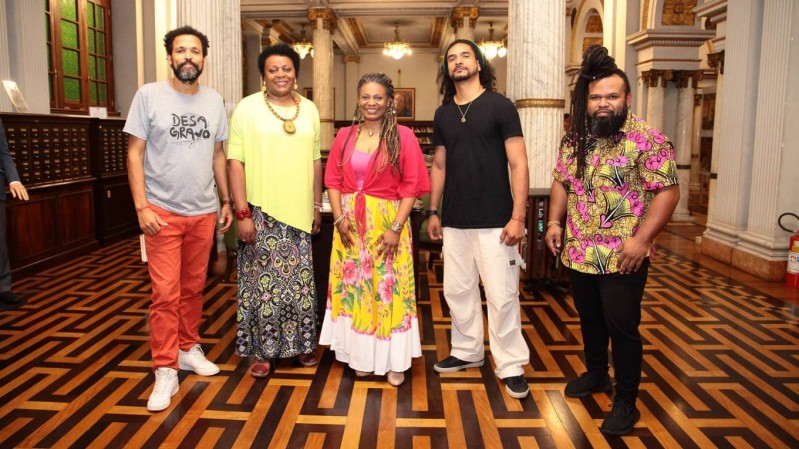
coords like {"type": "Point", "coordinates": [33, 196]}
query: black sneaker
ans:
{"type": "Point", "coordinates": [586, 384]}
{"type": "Point", "coordinates": [10, 301]}
{"type": "Point", "coordinates": [452, 364]}
{"type": "Point", "coordinates": [516, 387]}
{"type": "Point", "coordinates": [621, 419]}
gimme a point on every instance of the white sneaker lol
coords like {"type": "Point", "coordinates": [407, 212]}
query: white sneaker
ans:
{"type": "Point", "coordinates": [166, 386]}
{"type": "Point", "coordinates": [194, 360]}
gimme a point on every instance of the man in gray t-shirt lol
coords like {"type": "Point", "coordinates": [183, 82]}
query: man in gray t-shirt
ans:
{"type": "Point", "coordinates": [175, 154]}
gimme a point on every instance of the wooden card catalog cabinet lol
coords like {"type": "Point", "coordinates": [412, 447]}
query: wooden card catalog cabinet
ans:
{"type": "Point", "coordinates": [75, 172]}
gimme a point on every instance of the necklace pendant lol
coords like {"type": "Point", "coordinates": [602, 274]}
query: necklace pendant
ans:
{"type": "Point", "coordinates": [463, 119]}
{"type": "Point", "coordinates": [289, 127]}
{"type": "Point", "coordinates": [371, 133]}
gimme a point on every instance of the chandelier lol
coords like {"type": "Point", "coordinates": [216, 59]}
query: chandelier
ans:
{"type": "Point", "coordinates": [303, 47]}
{"type": "Point", "coordinates": [397, 48]}
{"type": "Point", "coordinates": [492, 48]}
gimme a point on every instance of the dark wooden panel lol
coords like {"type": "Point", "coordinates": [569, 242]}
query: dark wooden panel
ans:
{"type": "Point", "coordinates": [31, 228]}
{"type": "Point", "coordinates": [76, 216]}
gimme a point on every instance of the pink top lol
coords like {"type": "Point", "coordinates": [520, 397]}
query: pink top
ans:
{"type": "Point", "coordinates": [360, 162]}
{"type": "Point", "coordinates": [410, 181]}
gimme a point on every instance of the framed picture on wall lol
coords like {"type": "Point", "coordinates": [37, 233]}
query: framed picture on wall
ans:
{"type": "Point", "coordinates": [708, 110]}
{"type": "Point", "coordinates": [405, 103]}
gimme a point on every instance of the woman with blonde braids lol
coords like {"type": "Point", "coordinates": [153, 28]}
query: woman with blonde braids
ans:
{"type": "Point", "coordinates": [374, 174]}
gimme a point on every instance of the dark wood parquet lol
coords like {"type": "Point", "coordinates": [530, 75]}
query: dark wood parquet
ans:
{"type": "Point", "coordinates": [721, 370]}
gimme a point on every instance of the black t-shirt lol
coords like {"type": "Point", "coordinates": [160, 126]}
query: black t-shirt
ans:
{"type": "Point", "coordinates": [477, 190]}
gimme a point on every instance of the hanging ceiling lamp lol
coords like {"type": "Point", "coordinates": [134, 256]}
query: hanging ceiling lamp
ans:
{"type": "Point", "coordinates": [303, 47]}
{"type": "Point", "coordinates": [492, 48]}
{"type": "Point", "coordinates": [397, 48]}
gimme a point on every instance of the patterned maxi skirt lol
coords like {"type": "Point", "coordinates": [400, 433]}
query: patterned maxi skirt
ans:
{"type": "Point", "coordinates": [276, 313]}
{"type": "Point", "coordinates": [370, 319]}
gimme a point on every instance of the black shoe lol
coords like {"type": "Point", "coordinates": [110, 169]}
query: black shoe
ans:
{"type": "Point", "coordinates": [516, 387]}
{"type": "Point", "coordinates": [588, 383]}
{"type": "Point", "coordinates": [10, 301]}
{"type": "Point", "coordinates": [621, 419]}
{"type": "Point", "coordinates": [452, 364]}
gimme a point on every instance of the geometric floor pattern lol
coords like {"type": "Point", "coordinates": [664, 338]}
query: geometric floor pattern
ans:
{"type": "Point", "coordinates": [721, 370]}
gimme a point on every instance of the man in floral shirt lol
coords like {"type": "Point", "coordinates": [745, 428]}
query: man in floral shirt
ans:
{"type": "Point", "coordinates": [616, 186]}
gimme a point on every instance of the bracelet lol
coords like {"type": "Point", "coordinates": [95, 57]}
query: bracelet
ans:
{"type": "Point", "coordinates": [517, 219]}
{"type": "Point", "coordinates": [241, 214]}
{"type": "Point", "coordinates": [140, 209]}
{"type": "Point", "coordinates": [430, 212]}
{"type": "Point", "coordinates": [338, 220]}
{"type": "Point", "coordinates": [396, 227]}
{"type": "Point", "coordinates": [554, 223]}
{"type": "Point", "coordinates": [228, 202]}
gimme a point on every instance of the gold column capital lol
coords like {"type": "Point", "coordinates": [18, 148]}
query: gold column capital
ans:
{"type": "Point", "coordinates": [461, 13]}
{"type": "Point", "coordinates": [352, 58]}
{"type": "Point", "coordinates": [716, 61]}
{"type": "Point", "coordinates": [683, 77]}
{"type": "Point", "coordinates": [654, 77]}
{"type": "Point", "coordinates": [326, 14]}
{"type": "Point", "coordinates": [540, 103]}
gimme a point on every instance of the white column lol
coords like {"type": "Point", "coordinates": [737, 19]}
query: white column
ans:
{"type": "Point", "coordinates": [772, 192]}
{"type": "Point", "coordinates": [26, 37]}
{"type": "Point", "coordinates": [5, 65]}
{"type": "Point", "coordinates": [733, 145]}
{"type": "Point", "coordinates": [324, 23]}
{"type": "Point", "coordinates": [655, 81]}
{"type": "Point", "coordinates": [696, 140]}
{"type": "Point", "coordinates": [220, 20]}
{"type": "Point", "coordinates": [683, 137]}
{"type": "Point", "coordinates": [351, 78]}
{"type": "Point", "coordinates": [535, 55]}
{"type": "Point", "coordinates": [463, 20]}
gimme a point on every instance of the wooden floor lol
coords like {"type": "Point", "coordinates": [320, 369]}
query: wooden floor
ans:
{"type": "Point", "coordinates": [721, 370]}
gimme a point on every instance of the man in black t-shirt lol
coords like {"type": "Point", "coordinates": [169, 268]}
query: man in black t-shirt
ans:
{"type": "Point", "coordinates": [477, 136]}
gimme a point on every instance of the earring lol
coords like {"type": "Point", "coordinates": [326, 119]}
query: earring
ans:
{"type": "Point", "coordinates": [295, 85]}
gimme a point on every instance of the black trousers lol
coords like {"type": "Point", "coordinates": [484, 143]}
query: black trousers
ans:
{"type": "Point", "coordinates": [609, 306]}
{"type": "Point", "coordinates": [5, 266]}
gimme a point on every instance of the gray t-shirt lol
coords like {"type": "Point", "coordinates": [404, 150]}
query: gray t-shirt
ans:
{"type": "Point", "coordinates": [180, 131]}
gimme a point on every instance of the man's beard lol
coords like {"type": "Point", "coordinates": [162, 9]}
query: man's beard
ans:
{"type": "Point", "coordinates": [608, 126]}
{"type": "Point", "coordinates": [188, 76]}
{"type": "Point", "coordinates": [461, 76]}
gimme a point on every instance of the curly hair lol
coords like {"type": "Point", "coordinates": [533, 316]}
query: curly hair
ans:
{"type": "Point", "coordinates": [169, 38]}
{"type": "Point", "coordinates": [488, 77]}
{"type": "Point", "coordinates": [389, 145]}
{"type": "Point", "coordinates": [281, 50]}
{"type": "Point", "coordinates": [597, 64]}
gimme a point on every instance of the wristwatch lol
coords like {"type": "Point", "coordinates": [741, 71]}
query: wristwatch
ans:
{"type": "Point", "coordinates": [241, 214]}
{"type": "Point", "coordinates": [396, 227]}
{"type": "Point", "coordinates": [430, 212]}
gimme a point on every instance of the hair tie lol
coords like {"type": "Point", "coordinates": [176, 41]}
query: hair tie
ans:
{"type": "Point", "coordinates": [588, 77]}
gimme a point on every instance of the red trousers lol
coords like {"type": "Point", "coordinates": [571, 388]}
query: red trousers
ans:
{"type": "Point", "coordinates": [178, 261]}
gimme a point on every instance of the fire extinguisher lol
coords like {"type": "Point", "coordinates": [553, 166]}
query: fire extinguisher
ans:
{"type": "Point", "coordinates": [792, 273]}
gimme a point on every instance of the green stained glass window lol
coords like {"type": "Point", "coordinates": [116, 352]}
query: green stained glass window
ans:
{"type": "Point", "coordinates": [93, 67]}
{"type": "Point", "coordinates": [69, 9]}
{"type": "Point", "coordinates": [72, 89]}
{"type": "Point", "coordinates": [92, 43]}
{"type": "Point", "coordinates": [101, 65]}
{"type": "Point", "coordinates": [102, 90]}
{"type": "Point", "coordinates": [71, 66]}
{"type": "Point", "coordinates": [93, 93]}
{"type": "Point", "coordinates": [100, 43]}
{"type": "Point", "coordinates": [90, 13]}
{"type": "Point", "coordinates": [99, 12]}
{"type": "Point", "coordinates": [69, 34]}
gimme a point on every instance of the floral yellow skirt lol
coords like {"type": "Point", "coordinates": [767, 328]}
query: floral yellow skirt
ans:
{"type": "Point", "coordinates": [370, 319]}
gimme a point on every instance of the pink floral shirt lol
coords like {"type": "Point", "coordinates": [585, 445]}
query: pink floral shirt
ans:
{"type": "Point", "coordinates": [609, 204]}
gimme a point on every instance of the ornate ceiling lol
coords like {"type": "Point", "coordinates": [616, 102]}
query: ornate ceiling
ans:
{"type": "Point", "coordinates": [362, 26]}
